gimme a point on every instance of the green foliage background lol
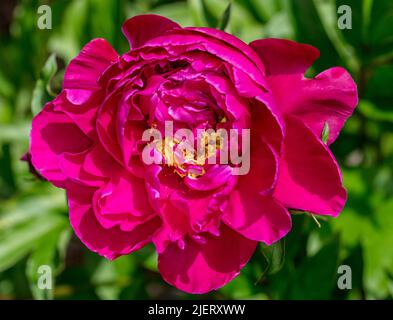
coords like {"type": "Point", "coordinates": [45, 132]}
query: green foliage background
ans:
{"type": "Point", "coordinates": [34, 228]}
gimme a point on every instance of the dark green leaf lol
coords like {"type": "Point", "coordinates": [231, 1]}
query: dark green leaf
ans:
{"type": "Point", "coordinates": [225, 17]}
{"type": "Point", "coordinates": [209, 17]}
{"type": "Point", "coordinates": [316, 277]}
{"type": "Point", "coordinates": [275, 256]}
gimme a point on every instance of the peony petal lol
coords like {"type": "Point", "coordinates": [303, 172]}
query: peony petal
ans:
{"type": "Point", "coordinates": [263, 173]}
{"type": "Point", "coordinates": [201, 210]}
{"type": "Point", "coordinates": [83, 72]}
{"type": "Point", "coordinates": [106, 127]}
{"type": "Point", "coordinates": [309, 177]}
{"type": "Point", "coordinates": [109, 243]}
{"type": "Point", "coordinates": [53, 134]}
{"type": "Point", "coordinates": [174, 227]}
{"type": "Point", "coordinates": [285, 56]}
{"type": "Point", "coordinates": [233, 41]}
{"type": "Point", "coordinates": [122, 202]}
{"type": "Point", "coordinates": [140, 29]}
{"type": "Point", "coordinates": [182, 41]}
{"type": "Point", "coordinates": [84, 117]}
{"type": "Point", "coordinates": [215, 176]}
{"type": "Point", "coordinates": [204, 266]}
{"type": "Point", "coordinates": [257, 217]}
{"type": "Point", "coordinates": [330, 97]}
{"type": "Point", "coordinates": [267, 124]}
{"type": "Point", "coordinates": [123, 194]}
{"type": "Point", "coordinates": [90, 167]}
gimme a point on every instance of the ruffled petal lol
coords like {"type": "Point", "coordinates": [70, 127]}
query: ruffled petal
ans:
{"type": "Point", "coordinates": [83, 72]}
{"type": "Point", "coordinates": [233, 41]}
{"type": "Point", "coordinates": [208, 264]}
{"type": "Point", "coordinates": [91, 167]}
{"type": "Point", "coordinates": [215, 177]}
{"type": "Point", "coordinates": [53, 134]}
{"type": "Point", "coordinates": [263, 172]}
{"type": "Point", "coordinates": [83, 116]}
{"type": "Point", "coordinates": [122, 201]}
{"type": "Point", "coordinates": [140, 29]}
{"type": "Point", "coordinates": [257, 217]}
{"type": "Point", "coordinates": [309, 177]}
{"type": "Point", "coordinates": [109, 243]}
{"type": "Point", "coordinates": [282, 56]}
{"type": "Point", "coordinates": [123, 194]}
{"type": "Point", "coordinates": [106, 127]}
{"type": "Point", "coordinates": [182, 41]}
{"type": "Point", "coordinates": [330, 97]}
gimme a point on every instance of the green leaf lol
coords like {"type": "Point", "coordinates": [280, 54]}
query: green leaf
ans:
{"type": "Point", "coordinates": [315, 278]}
{"type": "Point", "coordinates": [371, 111]}
{"type": "Point", "coordinates": [275, 256]}
{"type": "Point", "coordinates": [367, 219]}
{"type": "Point", "coordinates": [355, 35]}
{"type": "Point", "coordinates": [24, 209]}
{"type": "Point", "coordinates": [325, 133]}
{"type": "Point", "coordinates": [372, 22]}
{"type": "Point", "coordinates": [49, 70]}
{"type": "Point", "coordinates": [39, 97]}
{"type": "Point", "coordinates": [310, 29]}
{"type": "Point", "coordinates": [180, 12]}
{"type": "Point", "coordinates": [225, 17]}
{"type": "Point", "coordinates": [16, 244]}
{"type": "Point", "coordinates": [15, 132]}
{"type": "Point", "coordinates": [44, 254]}
{"type": "Point", "coordinates": [151, 262]}
{"type": "Point", "coordinates": [209, 17]}
{"type": "Point", "coordinates": [42, 90]}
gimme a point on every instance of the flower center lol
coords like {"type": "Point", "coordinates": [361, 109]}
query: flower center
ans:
{"type": "Point", "coordinates": [185, 160]}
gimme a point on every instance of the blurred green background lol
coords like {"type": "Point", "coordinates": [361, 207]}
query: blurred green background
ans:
{"type": "Point", "coordinates": [34, 228]}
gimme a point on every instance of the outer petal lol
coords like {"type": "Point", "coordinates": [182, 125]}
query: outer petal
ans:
{"type": "Point", "coordinates": [206, 265]}
{"type": "Point", "coordinates": [331, 97]}
{"type": "Point", "coordinates": [257, 217]}
{"type": "Point", "coordinates": [284, 56]}
{"type": "Point", "coordinates": [91, 167]}
{"type": "Point", "coordinates": [142, 28]}
{"type": "Point", "coordinates": [53, 134]}
{"type": "Point", "coordinates": [309, 177]}
{"type": "Point", "coordinates": [84, 117]}
{"type": "Point", "coordinates": [83, 72]}
{"type": "Point", "coordinates": [109, 243]}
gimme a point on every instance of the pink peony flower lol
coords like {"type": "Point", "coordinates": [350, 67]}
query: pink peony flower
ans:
{"type": "Point", "coordinates": [204, 224]}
